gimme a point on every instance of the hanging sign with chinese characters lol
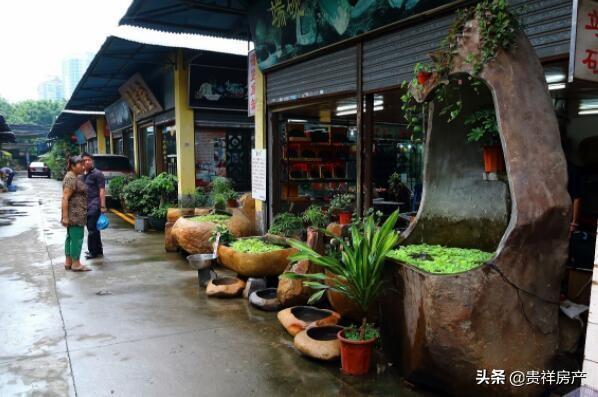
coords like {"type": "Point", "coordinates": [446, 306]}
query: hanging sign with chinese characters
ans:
{"type": "Point", "coordinates": [584, 43]}
{"type": "Point", "coordinates": [251, 83]}
{"type": "Point", "coordinates": [139, 97]}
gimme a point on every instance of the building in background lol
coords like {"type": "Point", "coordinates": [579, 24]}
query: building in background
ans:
{"type": "Point", "coordinates": [51, 89]}
{"type": "Point", "coordinates": [72, 70]}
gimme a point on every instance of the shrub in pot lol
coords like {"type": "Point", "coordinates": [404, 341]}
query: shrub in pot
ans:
{"type": "Point", "coordinates": [138, 197]}
{"type": "Point", "coordinates": [343, 204]}
{"type": "Point", "coordinates": [357, 274]}
{"type": "Point", "coordinates": [116, 188]}
{"type": "Point", "coordinates": [157, 217]}
{"type": "Point", "coordinates": [484, 129]}
{"type": "Point", "coordinates": [222, 192]}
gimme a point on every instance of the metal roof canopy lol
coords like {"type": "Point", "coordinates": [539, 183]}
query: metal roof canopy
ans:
{"type": "Point", "coordinates": [116, 61]}
{"type": "Point", "coordinates": [221, 18]}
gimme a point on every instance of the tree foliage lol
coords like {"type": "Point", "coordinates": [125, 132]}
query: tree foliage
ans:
{"type": "Point", "coordinates": [39, 112]}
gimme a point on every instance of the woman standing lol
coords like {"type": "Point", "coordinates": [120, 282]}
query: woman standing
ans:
{"type": "Point", "coordinates": [74, 213]}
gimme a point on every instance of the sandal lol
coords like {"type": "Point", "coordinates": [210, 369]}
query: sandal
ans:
{"type": "Point", "coordinates": [81, 269]}
{"type": "Point", "coordinates": [67, 267]}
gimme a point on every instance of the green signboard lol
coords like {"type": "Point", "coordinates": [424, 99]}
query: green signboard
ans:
{"type": "Point", "coordinates": [284, 29]}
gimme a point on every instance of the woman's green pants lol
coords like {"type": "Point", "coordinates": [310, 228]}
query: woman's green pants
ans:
{"type": "Point", "coordinates": [74, 242]}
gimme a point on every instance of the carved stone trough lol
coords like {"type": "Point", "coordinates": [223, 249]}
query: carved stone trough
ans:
{"type": "Point", "coordinates": [441, 329]}
{"type": "Point", "coordinates": [193, 237]}
{"type": "Point", "coordinates": [262, 264]}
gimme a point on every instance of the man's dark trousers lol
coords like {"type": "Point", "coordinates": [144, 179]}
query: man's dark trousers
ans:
{"type": "Point", "coordinates": [94, 239]}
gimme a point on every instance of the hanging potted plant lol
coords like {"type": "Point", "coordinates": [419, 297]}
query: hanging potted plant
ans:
{"type": "Point", "coordinates": [484, 129]}
{"type": "Point", "coordinates": [343, 205]}
{"type": "Point", "coordinates": [423, 73]}
{"type": "Point", "coordinates": [357, 274]}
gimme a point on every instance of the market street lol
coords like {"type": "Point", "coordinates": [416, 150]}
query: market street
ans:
{"type": "Point", "coordinates": [136, 324]}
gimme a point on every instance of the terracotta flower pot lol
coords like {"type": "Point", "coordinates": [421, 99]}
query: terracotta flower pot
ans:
{"type": "Point", "coordinates": [232, 203]}
{"type": "Point", "coordinates": [344, 217]}
{"type": "Point", "coordinates": [423, 77]}
{"type": "Point", "coordinates": [356, 355]}
{"type": "Point", "coordinates": [493, 159]}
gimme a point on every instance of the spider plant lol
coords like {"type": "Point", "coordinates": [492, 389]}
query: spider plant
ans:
{"type": "Point", "coordinates": [357, 273]}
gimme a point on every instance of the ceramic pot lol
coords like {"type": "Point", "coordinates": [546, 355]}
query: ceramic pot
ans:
{"type": "Point", "coordinates": [356, 355]}
{"type": "Point", "coordinates": [320, 343]}
{"type": "Point", "coordinates": [493, 159]}
{"type": "Point", "coordinates": [344, 217]}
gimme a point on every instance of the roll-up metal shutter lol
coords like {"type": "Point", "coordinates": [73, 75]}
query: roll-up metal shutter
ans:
{"type": "Point", "coordinates": [388, 60]}
{"type": "Point", "coordinates": [327, 74]}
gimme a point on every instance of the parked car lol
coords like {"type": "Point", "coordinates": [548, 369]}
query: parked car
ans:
{"type": "Point", "coordinates": [112, 165]}
{"type": "Point", "coordinates": [38, 168]}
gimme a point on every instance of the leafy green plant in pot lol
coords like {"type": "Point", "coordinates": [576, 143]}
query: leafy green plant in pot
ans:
{"type": "Point", "coordinates": [343, 205]}
{"type": "Point", "coordinates": [231, 198]}
{"type": "Point", "coordinates": [222, 191]}
{"type": "Point", "coordinates": [139, 198]}
{"type": "Point", "coordinates": [357, 274]}
{"type": "Point", "coordinates": [157, 217]}
{"type": "Point", "coordinates": [287, 225]}
{"type": "Point", "coordinates": [484, 128]}
{"type": "Point", "coordinates": [315, 217]}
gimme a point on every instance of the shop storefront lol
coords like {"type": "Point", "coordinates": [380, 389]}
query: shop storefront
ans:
{"type": "Point", "coordinates": [223, 132]}
{"type": "Point", "coordinates": [333, 96]}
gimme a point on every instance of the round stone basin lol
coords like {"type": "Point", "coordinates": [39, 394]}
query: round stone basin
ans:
{"type": "Point", "coordinates": [325, 333]}
{"type": "Point", "coordinates": [265, 299]}
{"type": "Point", "coordinates": [225, 281]}
{"type": "Point", "coordinates": [309, 314]}
{"type": "Point", "coordinates": [320, 343]}
{"type": "Point", "coordinates": [298, 318]}
{"type": "Point", "coordinates": [225, 287]}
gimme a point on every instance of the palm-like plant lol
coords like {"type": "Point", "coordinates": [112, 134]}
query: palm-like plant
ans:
{"type": "Point", "coordinates": [357, 273]}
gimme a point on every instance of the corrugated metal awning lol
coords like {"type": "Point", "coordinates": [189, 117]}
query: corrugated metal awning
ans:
{"type": "Point", "coordinates": [220, 18]}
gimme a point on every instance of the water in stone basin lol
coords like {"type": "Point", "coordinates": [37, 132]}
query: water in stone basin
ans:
{"type": "Point", "coordinates": [309, 314]}
{"type": "Point", "coordinates": [328, 332]}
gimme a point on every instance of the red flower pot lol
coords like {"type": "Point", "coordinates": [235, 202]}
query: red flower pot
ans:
{"type": "Point", "coordinates": [344, 217]}
{"type": "Point", "coordinates": [493, 159]}
{"type": "Point", "coordinates": [356, 355]}
{"type": "Point", "coordinates": [422, 77]}
{"type": "Point", "coordinates": [232, 203]}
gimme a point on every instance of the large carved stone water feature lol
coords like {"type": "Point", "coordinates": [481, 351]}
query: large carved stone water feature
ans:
{"type": "Point", "coordinates": [442, 329]}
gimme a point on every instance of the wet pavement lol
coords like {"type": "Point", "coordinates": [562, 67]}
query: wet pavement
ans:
{"type": "Point", "coordinates": [137, 325]}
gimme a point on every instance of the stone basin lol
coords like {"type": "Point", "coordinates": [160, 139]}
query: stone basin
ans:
{"type": "Point", "coordinates": [320, 343]}
{"type": "Point", "coordinates": [297, 318]}
{"type": "Point", "coordinates": [264, 264]}
{"type": "Point", "coordinates": [265, 299]}
{"type": "Point", "coordinates": [225, 287]}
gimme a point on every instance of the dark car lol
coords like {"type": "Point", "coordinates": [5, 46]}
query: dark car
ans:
{"type": "Point", "coordinates": [38, 168]}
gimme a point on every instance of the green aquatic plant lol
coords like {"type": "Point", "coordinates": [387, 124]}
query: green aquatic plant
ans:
{"type": "Point", "coordinates": [215, 218]}
{"type": "Point", "coordinates": [254, 246]}
{"type": "Point", "coordinates": [440, 260]}
{"type": "Point", "coordinates": [226, 237]}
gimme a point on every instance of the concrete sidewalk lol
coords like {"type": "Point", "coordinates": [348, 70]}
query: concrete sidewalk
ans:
{"type": "Point", "coordinates": [137, 325]}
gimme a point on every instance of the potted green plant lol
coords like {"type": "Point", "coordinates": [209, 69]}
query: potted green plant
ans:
{"type": "Point", "coordinates": [343, 205]}
{"type": "Point", "coordinates": [157, 217]}
{"type": "Point", "coordinates": [484, 128]}
{"type": "Point", "coordinates": [231, 198]}
{"type": "Point", "coordinates": [287, 225]}
{"type": "Point", "coordinates": [116, 187]}
{"type": "Point", "coordinates": [357, 274]}
{"type": "Point", "coordinates": [223, 193]}
{"type": "Point", "coordinates": [140, 200]}
{"type": "Point", "coordinates": [315, 217]}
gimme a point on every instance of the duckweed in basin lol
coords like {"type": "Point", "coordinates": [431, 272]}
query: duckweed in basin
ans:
{"type": "Point", "coordinates": [254, 246]}
{"type": "Point", "coordinates": [216, 218]}
{"type": "Point", "coordinates": [439, 259]}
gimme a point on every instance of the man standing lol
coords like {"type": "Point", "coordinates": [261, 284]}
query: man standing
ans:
{"type": "Point", "coordinates": [96, 205]}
